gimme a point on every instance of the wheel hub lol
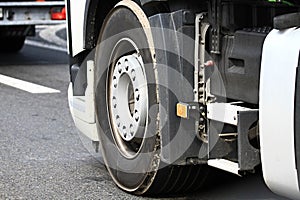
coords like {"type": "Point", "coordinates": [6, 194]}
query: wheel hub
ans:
{"type": "Point", "coordinates": [129, 97]}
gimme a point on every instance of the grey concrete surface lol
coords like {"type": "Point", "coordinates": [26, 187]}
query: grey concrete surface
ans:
{"type": "Point", "coordinates": [41, 154]}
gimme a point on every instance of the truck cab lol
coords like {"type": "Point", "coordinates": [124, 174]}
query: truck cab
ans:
{"type": "Point", "coordinates": [169, 89]}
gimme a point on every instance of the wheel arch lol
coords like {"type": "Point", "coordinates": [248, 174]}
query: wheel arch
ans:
{"type": "Point", "coordinates": [97, 10]}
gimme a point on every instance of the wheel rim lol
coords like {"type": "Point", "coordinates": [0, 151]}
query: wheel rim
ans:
{"type": "Point", "coordinates": [128, 99]}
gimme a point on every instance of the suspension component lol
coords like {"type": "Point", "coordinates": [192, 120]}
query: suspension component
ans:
{"type": "Point", "coordinates": [201, 27]}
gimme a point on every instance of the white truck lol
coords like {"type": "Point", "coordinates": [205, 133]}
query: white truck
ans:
{"type": "Point", "coordinates": [18, 19]}
{"type": "Point", "coordinates": [171, 88]}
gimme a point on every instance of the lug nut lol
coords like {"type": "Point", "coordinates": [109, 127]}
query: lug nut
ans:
{"type": "Point", "coordinates": [133, 74]}
{"type": "Point", "coordinates": [124, 131]}
{"type": "Point", "coordinates": [137, 94]}
{"type": "Point", "coordinates": [136, 116]}
{"type": "Point", "coordinates": [120, 68]}
{"type": "Point", "coordinates": [126, 65]}
{"type": "Point", "coordinates": [115, 83]}
{"type": "Point", "coordinates": [131, 130]}
{"type": "Point", "coordinates": [118, 121]}
{"type": "Point", "coordinates": [114, 102]}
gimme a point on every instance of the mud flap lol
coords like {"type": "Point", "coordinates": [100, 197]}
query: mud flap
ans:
{"type": "Point", "coordinates": [277, 115]}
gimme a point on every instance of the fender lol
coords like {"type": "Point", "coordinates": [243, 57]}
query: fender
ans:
{"type": "Point", "coordinates": [75, 21]}
{"type": "Point", "coordinates": [277, 102]}
{"type": "Point", "coordinates": [95, 14]}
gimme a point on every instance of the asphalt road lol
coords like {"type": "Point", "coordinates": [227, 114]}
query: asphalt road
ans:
{"type": "Point", "coordinates": [43, 156]}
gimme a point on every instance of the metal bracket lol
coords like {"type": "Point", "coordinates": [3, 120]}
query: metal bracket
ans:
{"type": "Point", "coordinates": [201, 27]}
{"type": "Point", "coordinates": [239, 150]}
{"type": "Point", "coordinates": [248, 156]}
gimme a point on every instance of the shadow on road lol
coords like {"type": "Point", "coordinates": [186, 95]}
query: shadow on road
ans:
{"type": "Point", "coordinates": [30, 55]}
{"type": "Point", "coordinates": [226, 186]}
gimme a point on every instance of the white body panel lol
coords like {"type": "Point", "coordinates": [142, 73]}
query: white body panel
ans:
{"type": "Point", "coordinates": [225, 165]}
{"type": "Point", "coordinates": [77, 9]}
{"type": "Point", "coordinates": [277, 93]}
{"type": "Point", "coordinates": [82, 107]}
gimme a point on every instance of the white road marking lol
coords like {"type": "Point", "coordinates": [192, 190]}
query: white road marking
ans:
{"type": "Point", "coordinates": [26, 86]}
{"type": "Point", "coordinates": [49, 34]}
{"type": "Point", "coordinates": [46, 46]}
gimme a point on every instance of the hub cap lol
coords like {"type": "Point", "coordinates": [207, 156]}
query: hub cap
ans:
{"type": "Point", "coordinates": [128, 101]}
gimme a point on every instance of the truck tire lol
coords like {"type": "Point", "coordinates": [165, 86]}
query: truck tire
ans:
{"type": "Point", "coordinates": [11, 44]}
{"type": "Point", "coordinates": [127, 111]}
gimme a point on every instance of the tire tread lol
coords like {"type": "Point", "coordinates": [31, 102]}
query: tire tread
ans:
{"type": "Point", "coordinates": [181, 179]}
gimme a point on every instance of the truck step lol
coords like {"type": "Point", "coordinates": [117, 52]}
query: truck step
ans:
{"type": "Point", "coordinates": [225, 165]}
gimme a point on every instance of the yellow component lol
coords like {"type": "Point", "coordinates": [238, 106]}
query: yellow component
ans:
{"type": "Point", "coordinates": [182, 110]}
